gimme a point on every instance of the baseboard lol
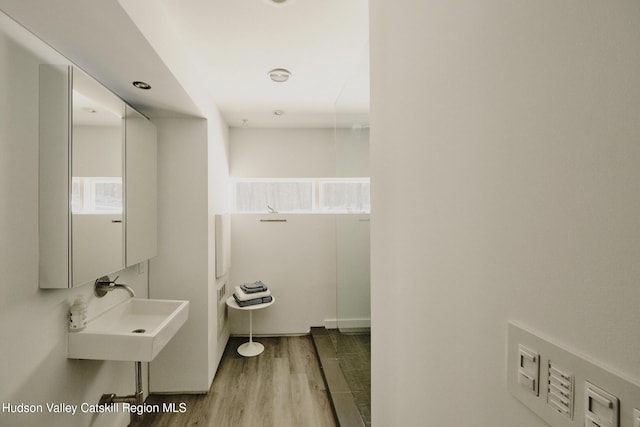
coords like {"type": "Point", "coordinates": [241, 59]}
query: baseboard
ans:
{"type": "Point", "coordinates": [355, 323]}
{"type": "Point", "coordinates": [331, 323]}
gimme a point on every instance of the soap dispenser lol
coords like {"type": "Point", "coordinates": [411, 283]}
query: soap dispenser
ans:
{"type": "Point", "coordinates": [78, 315]}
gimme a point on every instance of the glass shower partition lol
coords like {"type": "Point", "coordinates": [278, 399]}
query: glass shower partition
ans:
{"type": "Point", "coordinates": [353, 303]}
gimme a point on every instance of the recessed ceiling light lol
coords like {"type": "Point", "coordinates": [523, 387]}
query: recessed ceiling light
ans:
{"type": "Point", "coordinates": [279, 3]}
{"type": "Point", "coordinates": [142, 85]}
{"type": "Point", "coordinates": [278, 113]}
{"type": "Point", "coordinates": [279, 75]}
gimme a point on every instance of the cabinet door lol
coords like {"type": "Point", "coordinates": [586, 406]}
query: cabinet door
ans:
{"type": "Point", "coordinates": [97, 171]}
{"type": "Point", "coordinates": [141, 188]}
{"type": "Point", "coordinates": [81, 178]}
{"type": "Point", "coordinates": [54, 178]}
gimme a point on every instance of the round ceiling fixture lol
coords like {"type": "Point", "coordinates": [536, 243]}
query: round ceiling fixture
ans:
{"type": "Point", "coordinates": [278, 113]}
{"type": "Point", "coordinates": [279, 75]}
{"type": "Point", "coordinates": [278, 3]}
{"type": "Point", "coordinates": [142, 85]}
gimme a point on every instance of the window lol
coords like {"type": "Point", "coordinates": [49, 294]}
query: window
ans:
{"type": "Point", "coordinates": [279, 195]}
{"type": "Point", "coordinates": [96, 195]}
{"type": "Point", "coordinates": [321, 195]}
{"type": "Point", "coordinates": [344, 195]}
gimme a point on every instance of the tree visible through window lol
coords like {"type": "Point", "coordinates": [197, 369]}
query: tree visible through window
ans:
{"type": "Point", "coordinates": [345, 195]}
{"type": "Point", "coordinates": [281, 196]}
{"type": "Point", "coordinates": [322, 195]}
{"type": "Point", "coordinates": [96, 195]}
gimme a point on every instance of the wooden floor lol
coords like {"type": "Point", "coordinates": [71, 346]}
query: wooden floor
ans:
{"type": "Point", "coordinates": [282, 387]}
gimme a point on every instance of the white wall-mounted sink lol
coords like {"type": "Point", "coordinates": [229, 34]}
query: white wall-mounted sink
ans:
{"type": "Point", "coordinates": [134, 330]}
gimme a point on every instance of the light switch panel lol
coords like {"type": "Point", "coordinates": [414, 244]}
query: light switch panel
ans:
{"type": "Point", "coordinates": [564, 378]}
{"type": "Point", "coordinates": [601, 408]}
{"type": "Point", "coordinates": [560, 389]}
{"type": "Point", "coordinates": [529, 369]}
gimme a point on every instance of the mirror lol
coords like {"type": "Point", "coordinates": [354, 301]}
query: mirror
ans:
{"type": "Point", "coordinates": [81, 178]}
{"type": "Point", "coordinates": [141, 188]}
{"type": "Point", "coordinates": [97, 172]}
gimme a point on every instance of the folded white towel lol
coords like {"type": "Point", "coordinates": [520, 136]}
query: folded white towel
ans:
{"type": "Point", "coordinates": [242, 296]}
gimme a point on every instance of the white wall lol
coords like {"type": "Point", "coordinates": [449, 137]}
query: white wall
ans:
{"type": "Point", "coordinates": [296, 259]}
{"type": "Point", "coordinates": [505, 187]}
{"type": "Point", "coordinates": [180, 271]}
{"type": "Point", "coordinates": [192, 187]}
{"type": "Point", "coordinates": [352, 152]}
{"type": "Point", "coordinates": [282, 153]}
{"type": "Point", "coordinates": [33, 322]}
{"type": "Point", "coordinates": [219, 202]}
{"type": "Point", "coordinates": [353, 280]}
{"type": "Point", "coordinates": [353, 269]}
{"type": "Point", "coordinates": [299, 153]}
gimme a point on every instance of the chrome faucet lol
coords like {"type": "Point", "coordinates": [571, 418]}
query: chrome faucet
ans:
{"type": "Point", "coordinates": [104, 285]}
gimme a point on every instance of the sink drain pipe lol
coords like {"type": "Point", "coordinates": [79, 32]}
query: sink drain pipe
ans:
{"type": "Point", "coordinates": [132, 399]}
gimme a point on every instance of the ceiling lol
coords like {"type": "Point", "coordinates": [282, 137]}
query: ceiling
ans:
{"type": "Point", "coordinates": [199, 53]}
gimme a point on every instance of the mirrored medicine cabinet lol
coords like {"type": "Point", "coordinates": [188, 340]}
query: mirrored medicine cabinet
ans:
{"type": "Point", "coordinates": [97, 185]}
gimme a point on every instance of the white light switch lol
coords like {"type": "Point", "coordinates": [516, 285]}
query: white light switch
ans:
{"type": "Point", "coordinates": [636, 418]}
{"type": "Point", "coordinates": [526, 381]}
{"type": "Point", "coordinates": [529, 369]}
{"type": "Point", "coordinates": [560, 390]}
{"type": "Point", "coordinates": [601, 408]}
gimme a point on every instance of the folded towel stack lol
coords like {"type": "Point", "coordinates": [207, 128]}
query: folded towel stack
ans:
{"type": "Point", "coordinates": [252, 294]}
{"type": "Point", "coordinates": [250, 288]}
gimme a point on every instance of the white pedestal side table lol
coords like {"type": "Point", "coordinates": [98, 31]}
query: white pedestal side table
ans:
{"type": "Point", "coordinates": [250, 348]}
